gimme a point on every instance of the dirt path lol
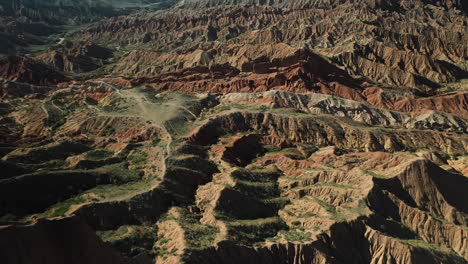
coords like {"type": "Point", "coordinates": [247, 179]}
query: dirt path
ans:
{"type": "Point", "coordinates": [144, 108]}
{"type": "Point", "coordinates": [184, 108]}
{"type": "Point", "coordinates": [44, 109]}
{"type": "Point", "coordinates": [56, 106]}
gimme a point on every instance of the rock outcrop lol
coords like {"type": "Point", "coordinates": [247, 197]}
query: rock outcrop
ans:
{"type": "Point", "coordinates": [27, 70]}
{"type": "Point", "coordinates": [75, 57]}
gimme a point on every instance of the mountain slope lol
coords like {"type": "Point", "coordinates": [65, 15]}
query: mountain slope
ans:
{"type": "Point", "coordinates": [237, 132]}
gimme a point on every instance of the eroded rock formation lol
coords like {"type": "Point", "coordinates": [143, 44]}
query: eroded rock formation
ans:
{"type": "Point", "coordinates": [241, 131]}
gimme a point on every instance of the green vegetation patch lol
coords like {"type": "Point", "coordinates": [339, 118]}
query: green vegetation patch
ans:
{"type": "Point", "coordinates": [255, 230]}
{"type": "Point", "coordinates": [257, 174]}
{"type": "Point", "coordinates": [292, 235]}
{"type": "Point", "coordinates": [108, 130]}
{"type": "Point", "coordinates": [292, 153]}
{"type": "Point", "coordinates": [131, 240]}
{"type": "Point", "coordinates": [98, 154]}
{"type": "Point", "coordinates": [257, 185]}
{"type": "Point", "coordinates": [443, 254]}
{"type": "Point", "coordinates": [373, 174]}
{"type": "Point", "coordinates": [61, 208]}
{"type": "Point", "coordinates": [323, 184]}
{"type": "Point", "coordinates": [119, 173]}
{"type": "Point", "coordinates": [261, 190]}
{"type": "Point", "coordinates": [328, 207]}
{"type": "Point", "coordinates": [138, 158]}
{"type": "Point", "coordinates": [110, 191]}
{"type": "Point", "coordinates": [46, 153]}
{"type": "Point", "coordinates": [197, 235]}
{"type": "Point", "coordinates": [342, 213]}
{"type": "Point", "coordinates": [155, 142]}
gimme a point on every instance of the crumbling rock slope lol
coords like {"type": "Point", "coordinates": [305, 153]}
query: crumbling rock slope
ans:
{"type": "Point", "coordinates": [75, 57]}
{"type": "Point", "coordinates": [27, 70]}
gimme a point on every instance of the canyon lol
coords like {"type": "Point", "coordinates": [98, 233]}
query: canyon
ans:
{"type": "Point", "coordinates": [216, 131]}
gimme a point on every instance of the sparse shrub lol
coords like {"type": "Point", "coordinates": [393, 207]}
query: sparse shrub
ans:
{"type": "Point", "coordinates": [98, 154]}
{"type": "Point", "coordinates": [138, 158]}
{"type": "Point", "coordinates": [155, 142]}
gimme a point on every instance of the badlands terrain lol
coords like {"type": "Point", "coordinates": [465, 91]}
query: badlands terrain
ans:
{"type": "Point", "coordinates": [234, 131]}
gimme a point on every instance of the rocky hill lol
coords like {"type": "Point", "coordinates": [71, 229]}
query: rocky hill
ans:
{"type": "Point", "coordinates": [31, 25]}
{"type": "Point", "coordinates": [314, 131]}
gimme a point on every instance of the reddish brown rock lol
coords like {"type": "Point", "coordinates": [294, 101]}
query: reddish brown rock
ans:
{"type": "Point", "coordinates": [26, 70]}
